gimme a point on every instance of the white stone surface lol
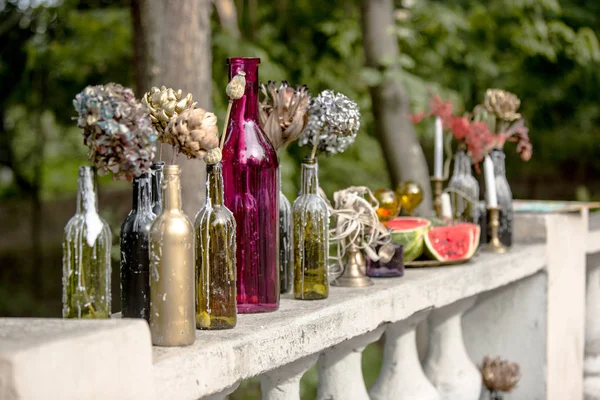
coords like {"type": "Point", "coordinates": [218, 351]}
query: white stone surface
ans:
{"type": "Point", "coordinates": [340, 369]}
{"type": "Point", "coordinates": [263, 342]}
{"type": "Point", "coordinates": [284, 383]}
{"type": "Point", "coordinates": [75, 359]}
{"type": "Point", "coordinates": [510, 322]}
{"type": "Point", "coordinates": [447, 364]}
{"type": "Point", "coordinates": [591, 366]}
{"type": "Point", "coordinates": [402, 377]}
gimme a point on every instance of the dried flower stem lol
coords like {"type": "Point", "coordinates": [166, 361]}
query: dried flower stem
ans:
{"type": "Point", "coordinates": [175, 153]}
{"type": "Point", "coordinates": [160, 152]}
{"type": "Point", "coordinates": [226, 123]}
{"type": "Point", "coordinates": [313, 154]}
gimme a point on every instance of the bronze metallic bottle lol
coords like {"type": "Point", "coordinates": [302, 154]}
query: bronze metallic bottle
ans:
{"type": "Point", "coordinates": [172, 318]}
{"type": "Point", "coordinates": [311, 241]}
{"type": "Point", "coordinates": [216, 306]}
{"type": "Point", "coordinates": [86, 256]}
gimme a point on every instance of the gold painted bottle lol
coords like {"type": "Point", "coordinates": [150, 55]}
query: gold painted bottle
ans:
{"type": "Point", "coordinates": [86, 256]}
{"type": "Point", "coordinates": [216, 306]}
{"type": "Point", "coordinates": [311, 240]}
{"type": "Point", "coordinates": [172, 319]}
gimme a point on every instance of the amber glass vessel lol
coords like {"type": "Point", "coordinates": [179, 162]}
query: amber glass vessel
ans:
{"type": "Point", "coordinates": [86, 256]}
{"type": "Point", "coordinates": [215, 258]}
{"type": "Point", "coordinates": [311, 240]}
{"type": "Point", "coordinates": [172, 317]}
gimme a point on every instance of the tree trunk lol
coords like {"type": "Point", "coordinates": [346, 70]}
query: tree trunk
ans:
{"type": "Point", "coordinates": [177, 54]}
{"type": "Point", "coordinates": [228, 17]}
{"type": "Point", "coordinates": [402, 151]}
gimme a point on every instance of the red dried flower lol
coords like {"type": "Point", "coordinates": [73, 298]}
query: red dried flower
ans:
{"type": "Point", "coordinates": [460, 127]}
{"type": "Point", "coordinates": [417, 118]}
{"type": "Point", "coordinates": [479, 141]}
{"type": "Point", "coordinates": [440, 108]}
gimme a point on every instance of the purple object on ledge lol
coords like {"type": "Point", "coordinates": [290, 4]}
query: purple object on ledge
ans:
{"type": "Point", "coordinates": [394, 268]}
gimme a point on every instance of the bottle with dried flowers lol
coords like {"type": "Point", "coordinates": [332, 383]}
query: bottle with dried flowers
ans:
{"type": "Point", "coordinates": [192, 132]}
{"type": "Point", "coordinates": [251, 190]}
{"type": "Point", "coordinates": [117, 130]}
{"type": "Point", "coordinates": [333, 123]}
{"type": "Point", "coordinates": [283, 116]}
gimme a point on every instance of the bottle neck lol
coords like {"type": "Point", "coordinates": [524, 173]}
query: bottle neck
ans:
{"type": "Point", "coordinates": [87, 201]}
{"type": "Point", "coordinates": [214, 184]}
{"type": "Point", "coordinates": [142, 193]}
{"type": "Point", "coordinates": [498, 157]}
{"type": "Point", "coordinates": [157, 177]}
{"type": "Point", "coordinates": [310, 178]}
{"type": "Point", "coordinates": [245, 108]}
{"type": "Point", "coordinates": [171, 187]}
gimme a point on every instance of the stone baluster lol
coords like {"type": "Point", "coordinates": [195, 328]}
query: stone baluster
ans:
{"type": "Point", "coordinates": [591, 366]}
{"type": "Point", "coordinates": [222, 395]}
{"type": "Point", "coordinates": [447, 364]}
{"type": "Point", "coordinates": [402, 377]}
{"type": "Point", "coordinates": [340, 371]}
{"type": "Point", "coordinates": [284, 383]}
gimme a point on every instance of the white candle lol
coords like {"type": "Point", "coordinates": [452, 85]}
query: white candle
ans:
{"type": "Point", "coordinates": [438, 148]}
{"type": "Point", "coordinates": [490, 182]}
{"type": "Point", "coordinates": [446, 206]}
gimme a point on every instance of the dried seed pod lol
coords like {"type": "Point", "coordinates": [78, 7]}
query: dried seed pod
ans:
{"type": "Point", "coordinates": [213, 156]}
{"type": "Point", "coordinates": [235, 89]}
{"type": "Point", "coordinates": [163, 104]}
{"type": "Point", "coordinates": [499, 375]}
{"type": "Point", "coordinates": [194, 132]}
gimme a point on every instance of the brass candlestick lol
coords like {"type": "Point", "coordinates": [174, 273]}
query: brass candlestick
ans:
{"type": "Point", "coordinates": [354, 275]}
{"type": "Point", "coordinates": [495, 246]}
{"type": "Point", "coordinates": [437, 195]}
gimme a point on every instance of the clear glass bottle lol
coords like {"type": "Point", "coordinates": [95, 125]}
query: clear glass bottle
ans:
{"type": "Point", "coordinates": [156, 170]}
{"type": "Point", "coordinates": [86, 256]}
{"type": "Point", "coordinates": [172, 317]}
{"type": "Point", "coordinates": [135, 263]}
{"type": "Point", "coordinates": [463, 182]}
{"type": "Point", "coordinates": [505, 199]}
{"type": "Point", "coordinates": [311, 239]}
{"type": "Point", "coordinates": [252, 193]}
{"type": "Point", "coordinates": [215, 258]}
{"type": "Point", "coordinates": [286, 254]}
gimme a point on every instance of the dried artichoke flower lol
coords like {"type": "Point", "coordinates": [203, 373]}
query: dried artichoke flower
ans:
{"type": "Point", "coordinates": [117, 129]}
{"type": "Point", "coordinates": [193, 132]}
{"type": "Point", "coordinates": [283, 112]}
{"type": "Point", "coordinates": [499, 375]}
{"type": "Point", "coordinates": [502, 104]}
{"type": "Point", "coordinates": [163, 104]}
{"type": "Point", "coordinates": [333, 122]}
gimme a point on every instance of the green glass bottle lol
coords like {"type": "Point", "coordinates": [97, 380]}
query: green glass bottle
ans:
{"type": "Point", "coordinates": [86, 256]}
{"type": "Point", "coordinates": [311, 241]}
{"type": "Point", "coordinates": [216, 306]}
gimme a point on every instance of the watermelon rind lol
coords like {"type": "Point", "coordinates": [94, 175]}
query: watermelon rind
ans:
{"type": "Point", "coordinates": [473, 239]}
{"type": "Point", "coordinates": [412, 239]}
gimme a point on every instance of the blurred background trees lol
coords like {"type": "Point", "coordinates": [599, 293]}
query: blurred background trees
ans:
{"type": "Point", "coordinates": [545, 51]}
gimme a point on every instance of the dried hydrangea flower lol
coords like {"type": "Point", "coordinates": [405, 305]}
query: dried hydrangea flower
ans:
{"type": "Point", "coordinates": [163, 104]}
{"type": "Point", "coordinates": [194, 132]}
{"type": "Point", "coordinates": [283, 112]}
{"type": "Point", "coordinates": [117, 130]}
{"type": "Point", "coordinates": [499, 375]}
{"type": "Point", "coordinates": [502, 104]}
{"type": "Point", "coordinates": [333, 123]}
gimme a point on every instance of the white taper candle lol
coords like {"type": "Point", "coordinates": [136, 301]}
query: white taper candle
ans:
{"type": "Point", "coordinates": [490, 182]}
{"type": "Point", "coordinates": [446, 206]}
{"type": "Point", "coordinates": [438, 159]}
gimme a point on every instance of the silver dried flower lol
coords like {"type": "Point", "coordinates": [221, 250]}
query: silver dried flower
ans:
{"type": "Point", "coordinates": [117, 130]}
{"type": "Point", "coordinates": [333, 122]}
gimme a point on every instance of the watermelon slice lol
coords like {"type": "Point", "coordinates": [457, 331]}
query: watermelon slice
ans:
{"type": "Point", "coordinates": [455, 242]}
{"type": "Point", "coordinates": [410, 233]}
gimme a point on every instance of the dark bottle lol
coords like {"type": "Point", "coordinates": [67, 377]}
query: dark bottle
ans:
{"type": "Point", "coordinates": [215, 258]}
{"type": "Point", "coordinates": [252, 193]}
{"type": "Point", "coordinates": [157, 177]}
{"type": "Point", "coordinates": [135, 262]}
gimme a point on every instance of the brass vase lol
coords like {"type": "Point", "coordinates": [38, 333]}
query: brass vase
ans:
{"type": "Point", "coordinates": [216, 306]}
{"type": "Point", "coordinates": [172, 317]}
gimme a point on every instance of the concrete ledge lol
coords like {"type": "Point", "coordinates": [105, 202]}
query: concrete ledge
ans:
{"type": "Point", "coordinates": [71, 359]}
{"type": "Point", "coordinates": [262, 342]}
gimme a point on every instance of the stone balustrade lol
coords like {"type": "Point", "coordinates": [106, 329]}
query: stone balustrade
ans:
{"type": "Point", "coordinates": [528, 305]}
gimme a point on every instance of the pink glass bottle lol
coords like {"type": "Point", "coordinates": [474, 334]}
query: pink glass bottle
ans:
{"type": "Point", "coordinates": [252, 193]}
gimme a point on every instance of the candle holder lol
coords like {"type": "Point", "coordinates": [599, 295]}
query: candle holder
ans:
{"type": "Point", "coordinates": [353, 275]}
{"type": "Point", "coordinates": [494, 245]}
{"type": "Point", "coordinates": [437, 195]}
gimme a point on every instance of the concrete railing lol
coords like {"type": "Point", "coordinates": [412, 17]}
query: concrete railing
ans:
{"type": "Point", "coordinates": [528, 305]}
